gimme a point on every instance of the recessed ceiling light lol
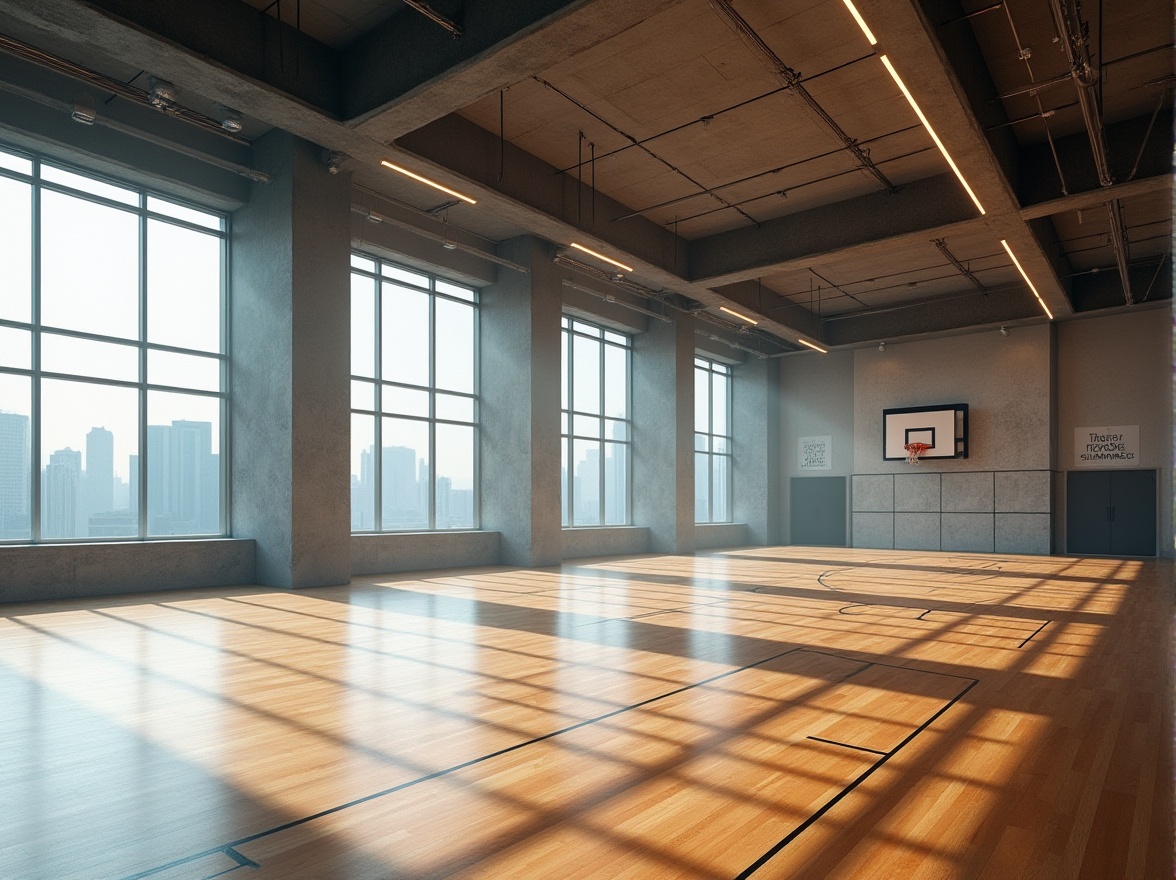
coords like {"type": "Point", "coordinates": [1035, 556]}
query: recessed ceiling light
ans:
{"type": "Point", "coordinates": [1017, 263]}
{"type": "Point", "coordinates": [813, 346]}
{"type": "Point", "coordinates": [427, 182]}
{"type": "Point", "coordinates": [927, 125]}
{"type": "Point", "coordinates": [738, 315]}
{"type": "Point", "coordinates": [601, 256]}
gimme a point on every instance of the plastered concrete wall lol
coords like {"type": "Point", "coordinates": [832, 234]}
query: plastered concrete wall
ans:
{"type": "Point", "coordinates": [755, 419]}
{"type": "Point", "coordinates": [816, 400]}
{"type": "Point", "coordinates": [378, 554]}
{"type": "Point", "coordinates": [47, 571]}
{"type": "Point", "coordinates": [1117, 370]}
{"type": "Point", "coordinates": [620, 541]}
{"type": "Point", "coordinates": [711, 535]}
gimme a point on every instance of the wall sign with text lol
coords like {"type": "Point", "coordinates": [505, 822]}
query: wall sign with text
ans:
{"type": "Point", "coordinates": [1106, 446]}
{"type": "Point", "coordinates": [816, 453]}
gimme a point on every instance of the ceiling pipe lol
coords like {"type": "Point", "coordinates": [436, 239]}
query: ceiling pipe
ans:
{"type": "Point", "coordinates": [608, 297]}
{"type": "Point", "coordinates": [1074, 31]}
{"type": "Point", "coordinates": [793, 80]}
{"type": "Point", "coordinates": [427, 10]}
{"type": "Point", "coordinates": [963, 270]}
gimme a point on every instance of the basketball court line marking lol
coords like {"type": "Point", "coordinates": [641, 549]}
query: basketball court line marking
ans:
{"type": "Point", "coordinates": [862, 777]}
{"type": "Point", "coordinates": [923, 617]}
{"type": "Point", "coordinates": [230, 847]}
{"type": "Point", "coordinates": [834, 742]}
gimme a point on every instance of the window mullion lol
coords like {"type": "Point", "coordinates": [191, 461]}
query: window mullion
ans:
{"type": "Point", "coordinates": [142, 460]}
{"type": "Point", "coordinates": [35, 390]}
{"type": "Point", "coordinates": [378, 441]}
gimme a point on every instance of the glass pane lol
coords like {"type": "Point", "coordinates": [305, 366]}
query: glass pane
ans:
{"type": "Point", "coordinates": [702, 400]}
{"type": "Point", "coordinates": [16, 348]}
{"type": "Point", "coordinates": [183, 287]}
{"type": "Point", "coordinates": [90, 185]}
{"type": "Point", "coordinates": [616, 484]}
{"type": "Point", "coordinates": [358, 262]}
{"type": "Point", "coordinates": [16, 468]}
{"type": "Point", "coordinates": [585, 375]}
{"type": "Point", "coordinates": [586, 482]}
{"type": "Point", "coordinates": [720, 423]}
{"type": "Point", "coordinates": [563, 424]}
{"type": "Point", "coordinates": [586, 426]}
{"type": "Point", "coordinates": [404, 475]}
{"type": "Point", "coordinates": [563, 483]}
{"type": "Point", "coordinates": [363, 395]}
{"type": "Point", "coordinates": [455, 290]}
{"type": "Point", "coordinates": [183, 464]}
{"type": "Point", "coordinates": [455, 346]}
{"type": "Point", "coordinates": [88, 357]}
{"type": "Point", "coordinates": [616, 430]}
{"type": "Point", "coordinates": [701, 487]}
{"type": "Point", "coordinates": [16, 250]}
{"type": "Point", "coordinates": [699, 362]}
{"type": "Point", "coordinates": [721, 490]}
{"type": "Point", "coordinates": [454, 408]}
{"type": "Point", "coordinates": [565, 342]}
{"type": "Point", "coordinates": [722, 444]}
{"type": "Point", "coordinates": [454, 501]}
{"type": "Point", "coordinates": [183, 370]}
{"type": "Point", "coordinates": [405, 275]}
{"type": "Point", "coordinates": [405, 349]}
{"type": "Point", "coordinates": [89, 266]}
{"type": "Point", "coordinates": [89, 460]}
{"type": "Point", "coordinates": [182, 212]}
{"type": "Point", "coordinates": [405, 401]}
{"type": "Point", "coordinates": [363, 473]}
{"type": "Point", "coordinates": [615, 337]}
{"type": "Point", "coordinates": [616, 381]}
{"type": "Point", "coordinates": [363, 326]}
{"type": "Point", "coordinates": [19, 164]}
{"type": "Point", "coordinates": [590, 329]}
{"type": "Point", "coordinates": [702, 442]}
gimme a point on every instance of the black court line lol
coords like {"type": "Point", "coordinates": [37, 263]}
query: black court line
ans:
{"type": "Point", "coordinates": [228, 848]}
{"type": "Point", "coordinates": [834, 742]}
{"type": "Point", "coordinates": [1035, 632]}
{"type": "Point", "coordinates": [833, 801]}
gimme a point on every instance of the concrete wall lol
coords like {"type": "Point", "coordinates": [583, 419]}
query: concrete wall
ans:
{"type": "Point", "coordinates": [607, 541]}
{"type": "Point", "coordinates": [49, 571]}
{"type": "Point", "coordinates": [708, 536]}
{"type": "Point", "coordinates": [377, 554]}
{"type": "Point", "coordinates": [1117, 370]}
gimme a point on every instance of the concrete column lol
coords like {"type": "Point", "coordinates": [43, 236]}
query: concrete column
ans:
{"type": "Point", "coordinates": [291, 364]}
{"type": "Point", "coordinates": [520, 391]}
{"type": "Point", "coordinates": [755, 422]}
{"type": "Point", "coordinates": [663, 435]}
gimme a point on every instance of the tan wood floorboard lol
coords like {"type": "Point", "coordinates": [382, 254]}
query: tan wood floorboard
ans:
{"type": "Point", "coordinates": [784, 712]}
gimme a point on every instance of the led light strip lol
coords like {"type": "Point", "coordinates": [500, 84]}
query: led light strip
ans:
{"type": "Point", "coordinates": [600, 256]}
{"type": "Point", "coordinates": [738, 315]}
{"type": "Point", "coordinates": [857, 16]}
{"type": "Point", "coordinates": [1017, 263]}
{"type": "Point", "coordinates": [427, 182]}
{"type": "Point", "coordinates": [813, 346]}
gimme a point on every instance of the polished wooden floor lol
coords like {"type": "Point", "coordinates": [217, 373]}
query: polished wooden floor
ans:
{"type": "Point", "coordinates": [767, 712]}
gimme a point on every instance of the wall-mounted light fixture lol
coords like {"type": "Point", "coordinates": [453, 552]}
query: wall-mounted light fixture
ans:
{"type": "Point", "coordinates": [1004, 331]}
{"type": "Point", "coordinates": [601, 256]}
{"type": "Point", "coordinates": [739, 315]}
{"type": "Point", "coordinates": [881, 346]}
{"type": "Point", "coordinates": [1017, 263]}
{"type": "Point", "coordinates": [422, 179]}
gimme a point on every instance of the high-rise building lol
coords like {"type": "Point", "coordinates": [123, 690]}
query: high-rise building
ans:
{"type": "Point", "coordinates": [191, 475]}
{"type": "Point", "coordinates": [14, 476]}
{"type": "Point", "coordinates": [98, 480]}
{"type": "Point", "coordinates": [159, 480]}
{"type": "Point", "coordinates": [399, 499]}
{"type": "Point", "coordinates": [60, 483]}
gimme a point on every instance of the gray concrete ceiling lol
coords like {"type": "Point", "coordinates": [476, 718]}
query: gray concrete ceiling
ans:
{"type": "Point", "coordinates": [712, 176]}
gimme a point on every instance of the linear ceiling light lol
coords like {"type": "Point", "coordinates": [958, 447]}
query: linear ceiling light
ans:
{"type": "Point", "coordinates": [1017, 263]}
{"type": "Point", "coordinates": [857, 16]}
{"type": "Point", "coordinates": [738, 315]}
{"type": "Point", "coordinates": [927, 125]}
{"type": "Point", "coordinates": [427, 182]}
{"type": "Point", "coordinates": [600, 256]}
{"type": "Point", "coordinates": [813, 346]}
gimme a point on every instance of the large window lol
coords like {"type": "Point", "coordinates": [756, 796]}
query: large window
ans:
{"type": "Point", "coordinates": [596, 425]}
{"type": "Point", "coordinates": [712, 441]}
{"type": "Point", "coordinates": [414, 400]}
{"type": "Point", "coordinates": [112, 359]}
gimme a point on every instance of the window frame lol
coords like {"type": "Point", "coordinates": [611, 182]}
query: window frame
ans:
{"type": "Point", "coordinates": [38, 330]}
{"type": "Point", "coordinates": [568, 414]}
{"type": "Point", "coordinates": [710, 368]}
{"type": "Point", "coordinates": [379, 382]}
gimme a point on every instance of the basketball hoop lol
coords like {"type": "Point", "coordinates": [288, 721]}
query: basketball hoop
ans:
{"type": "Point", "coordinates": [914, 450]}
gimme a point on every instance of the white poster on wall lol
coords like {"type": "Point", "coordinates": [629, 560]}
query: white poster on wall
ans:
{"type": "Point", "coordinates": [1107, 446]}
{"type": "Point", "coordinates": [816, 453]}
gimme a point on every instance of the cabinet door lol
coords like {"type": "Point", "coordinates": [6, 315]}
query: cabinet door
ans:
{"type": "Point", "coordinates": [817, 506]}
{"type": "Point", "coordinates": [1088, 514]}
{"type": "Point", "coordinates": [1133, 513]}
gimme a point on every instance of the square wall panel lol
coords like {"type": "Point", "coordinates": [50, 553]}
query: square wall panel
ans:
{"type": "Point", "coordinates": [968, 493]}
{"type": "Point", "coordinates": [1023, 491]}
{"type": "Point", "coordinates": [967, 532]}
{"type": "Point", "coordinates": [873, 492]}
{"type": "Point", "coordinates": [874, 531]}
{"type": "Point", "coordinates": [916, 492]}
{"type": "Point", "coordinates": [1023, 533]}
{"type": "Point", "coordinates": [916, 531]}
